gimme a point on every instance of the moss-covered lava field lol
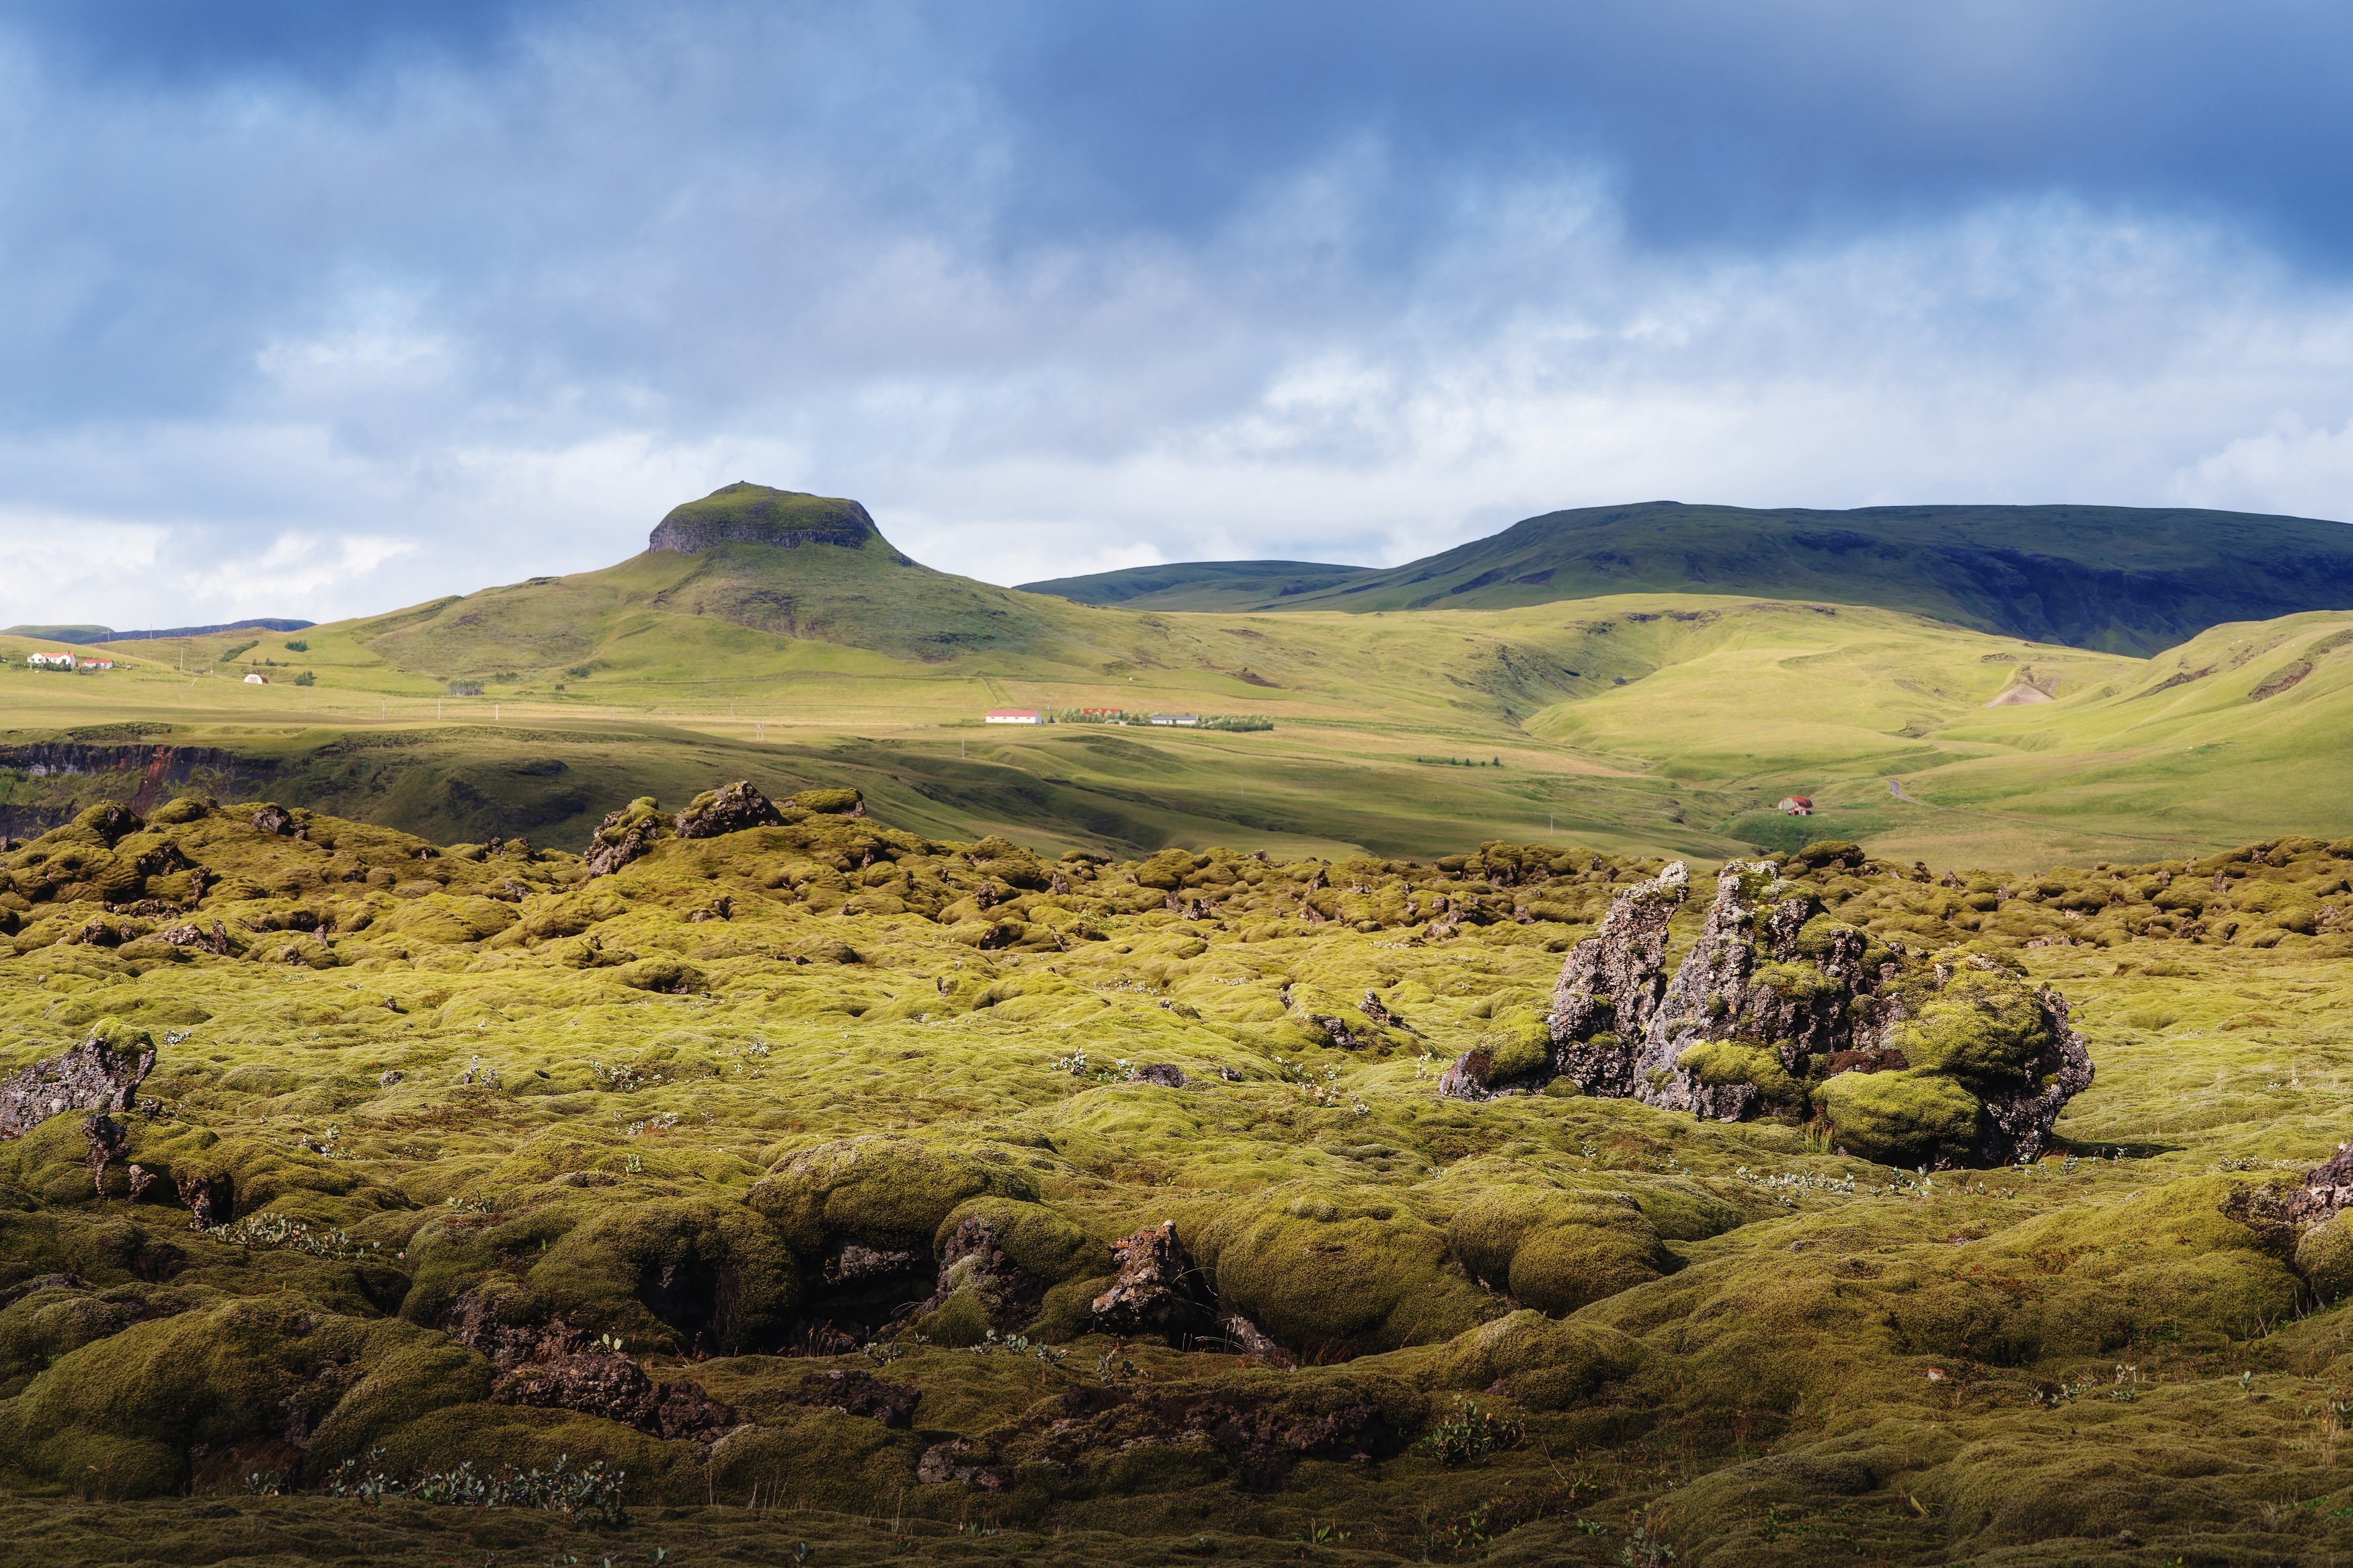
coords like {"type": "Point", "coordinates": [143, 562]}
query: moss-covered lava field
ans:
{"type": "Point", "coordinates": [769, 1184]}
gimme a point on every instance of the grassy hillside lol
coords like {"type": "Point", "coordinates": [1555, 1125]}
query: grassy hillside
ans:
{"type": "Point", "coordinates": [1643, 723]}
{"type": "Point", "coordinates": [1199, 584]}
{"type": "Point", "coordinates": [770, 1184]}
{"type": "Point", "coordinates": [2123, 579]}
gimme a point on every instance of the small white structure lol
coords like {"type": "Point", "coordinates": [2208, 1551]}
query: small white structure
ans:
{"type": "Point", "coordinates": [256, 678]}
{"type": "Point", "coordinates": [1015, 716]}
{"type": "Point", "coordinates": [92, 663]}
{"type": "Point", "coordinates": [1796, 806]}
{"type": "Point", "coordinates": [1181, 721]}
{"type": "Point", "coordinates": [50, 661]}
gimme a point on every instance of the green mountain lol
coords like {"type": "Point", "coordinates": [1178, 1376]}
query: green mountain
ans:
{"type": "Point", "coordinates": [2122, 579]}
{"type": "Point", "coordinates": [1200, 584]}
{"type": "Point", "coordinates": [812, 568]}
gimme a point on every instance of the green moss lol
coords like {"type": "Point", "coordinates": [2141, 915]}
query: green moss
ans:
{"type": "Point", "coordinates": [1900, 1118]}
{"type": "Point", "coordinates": [1331, 1272]}
{"type": "Point", "coordinates": [1556, 1251]}
{"type": "Point", "coordinates": [1519, 1046]}
{"type": "Point", "coordinates": [1981, 1029]}
{"type": "Point", "coordinates": [884, 1192]}
{"type": "Point", "coordinates": [1794, 981]}
{"type": "Point", "coordinates": [1719, 1063]}
{"type": "Point", "coordinates": [2323, 1256]}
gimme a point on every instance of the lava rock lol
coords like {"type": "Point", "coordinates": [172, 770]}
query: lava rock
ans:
{"type": "Point", "coordinates": [730, 808]}
{"type": "Point", "coordinates": [103, 1073]}
{"type": "Point", "coordinates": [1157, 1290]}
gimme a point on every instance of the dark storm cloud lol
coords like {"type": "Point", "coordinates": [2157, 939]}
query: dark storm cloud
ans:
{"type": "Point", "coordinates": [357, 302]}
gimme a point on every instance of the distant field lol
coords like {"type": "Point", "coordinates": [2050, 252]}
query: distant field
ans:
{"type": "Point", "coordinates": [1666, 722]}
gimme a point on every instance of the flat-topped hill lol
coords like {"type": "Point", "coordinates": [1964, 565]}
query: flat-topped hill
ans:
{"type": "Point", "coordinates": [745, 513]}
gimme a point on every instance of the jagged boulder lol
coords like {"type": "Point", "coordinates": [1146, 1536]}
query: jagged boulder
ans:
{"type": "Point", "coordinates": [103, 1073]}
{"type": "Point", "coordinates": [1778, 1008]}
{"type": "Point", "coordinates": [1608, 990]}
{"type": "Point", "coordinates": [1157, 1290]}
{"type": "Point", "coordinates": [730, 808]}
{"type": "Point", "coordinates": [626, 835]}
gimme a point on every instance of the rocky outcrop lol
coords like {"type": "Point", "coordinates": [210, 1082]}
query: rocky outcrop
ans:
{"type": "Point", "coordinates": [1157, 1290]}
{"type": "Point", "coordinates": [609, 1385]}
{"type": "Point", "coordinates": [730, 808]}
{"type": "Point", "coordinates": [108, 1143]}
{"type": "Point", "coordinates": [974, 1258]}
{"type": "Point", "coordinates": [744, 513]}
{"type": "Point", "coordinates": [549, 1365]}
{"type": "Point", "coordinates": [103, 1073]}
{"type": "Point", "coordinates": [1611, 984]}
{"type": "Point", "coordinates": [626, 835]}
{"type": "Point", "coordinates": [1778, 1008]}
{"type": "Point", "coordinates": [859, 1393]}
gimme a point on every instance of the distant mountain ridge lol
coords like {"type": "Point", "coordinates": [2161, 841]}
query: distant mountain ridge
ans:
{"type": "Point", "coordinates": [108, 634]}
{"type": "Point", "coordinates": [1199, 584]}
{"type": "Point", "coordinates": [2121, 579]}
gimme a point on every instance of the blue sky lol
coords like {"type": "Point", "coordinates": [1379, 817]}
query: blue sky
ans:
{"type": "Point", "coordinates": [315, 309]}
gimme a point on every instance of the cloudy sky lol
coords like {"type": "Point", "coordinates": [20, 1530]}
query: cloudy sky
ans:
{"type": "Point", "coordinates": [311, 310]}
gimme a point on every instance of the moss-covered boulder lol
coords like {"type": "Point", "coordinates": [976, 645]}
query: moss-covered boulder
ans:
{"type": "Point", "coordinates": [1909, 1118]}
{"type": "Point", "coordinates": [1555, 1250]}
{"type": "Point", "coordinates": [271, 1371]}
{"type": "Point", "coordinates": [1330, 1272]}
{"type": "Point", "coordinates": [891, 1193]}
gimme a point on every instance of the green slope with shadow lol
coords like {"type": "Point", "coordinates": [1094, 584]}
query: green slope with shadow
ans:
{"type": "Point", "coordinates": [2120, 579]}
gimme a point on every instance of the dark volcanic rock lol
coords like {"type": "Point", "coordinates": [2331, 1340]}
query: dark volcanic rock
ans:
{"type": "Point", "coordinates": [744, 513]}
{"type": "Point", "coordinates": [1158, 1290]}
{"type": "Point", "coordinates": [604, 1383]}
{"type": "Point", "coordinates": [1800, 1007]}
{"type": "Point", "coordinates": [730, 808]}
{"type": "Point", "coordinates": [108, 1143]}
{"type": "Point", "coordinates": [974, 1258]}
{"type": "Point", "coordinates": [859, 1393]}
{"type": "Point", "coordinates": [275, 820]}
{"type": "Point", "coordinates": [1611, 985]}
{"type": "Point", "coordinates": [1774, 1002]}
{"type": "Point", "coordinates": [624, 836]}
{"type": "Point", "coordinates": [93, 1076]}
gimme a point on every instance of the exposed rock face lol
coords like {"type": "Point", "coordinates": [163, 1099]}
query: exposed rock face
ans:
{"type": "Point", "coordinates": [2019, 1124]}
{"type": "Point", "coordinates": [546, 1365]}
{"type": "Point", "coordinates": [744, 513]}
{"type": "Point", "coordinates": [2326, 1190]}
{"type": "Point", "coordinates": [1158, 1290]}
{"type": "Point", "coordinates": [274, 819]}
{"type": "Point", "coordinates": [1746, 981]}
{"type": "Point", "coordinates": [214, 942]}
{"type": "Point", "coordinates": [207, 1198]}
{"type": "Point", "coordinates": [598, 1383]}
{"type": "Point", "coordinates": [974, 1258]}
{"type": "Point", "coordinates": [1776, 1010]}
{"type": "Point", "coordinates": [108, 1143]}
{"type": "Point", "coordinates": [93, 1076]}
{"type": "Point", "coordinates": [730, 808]}
{"type": "Point", "coordinates": [626, 835]}
{"type": "Point", "coordinates": [859, 1393]}
{"type": "Point", "coordinates": [1611, 985]}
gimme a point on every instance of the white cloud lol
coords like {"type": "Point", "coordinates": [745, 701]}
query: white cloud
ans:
{"type": "Point", "coordinates": [467, 330]}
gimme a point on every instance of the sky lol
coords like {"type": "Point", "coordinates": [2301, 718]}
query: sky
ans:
{"type": "Point", "coordinates": [315, 310]}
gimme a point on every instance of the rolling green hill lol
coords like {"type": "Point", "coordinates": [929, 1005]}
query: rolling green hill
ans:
{"type": "Point", "coordinates": [2122, 579]}
{"type": "Point", "coordinates": [1200, 584]}
{"type": "Point", "coordinates": [780, 637]}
